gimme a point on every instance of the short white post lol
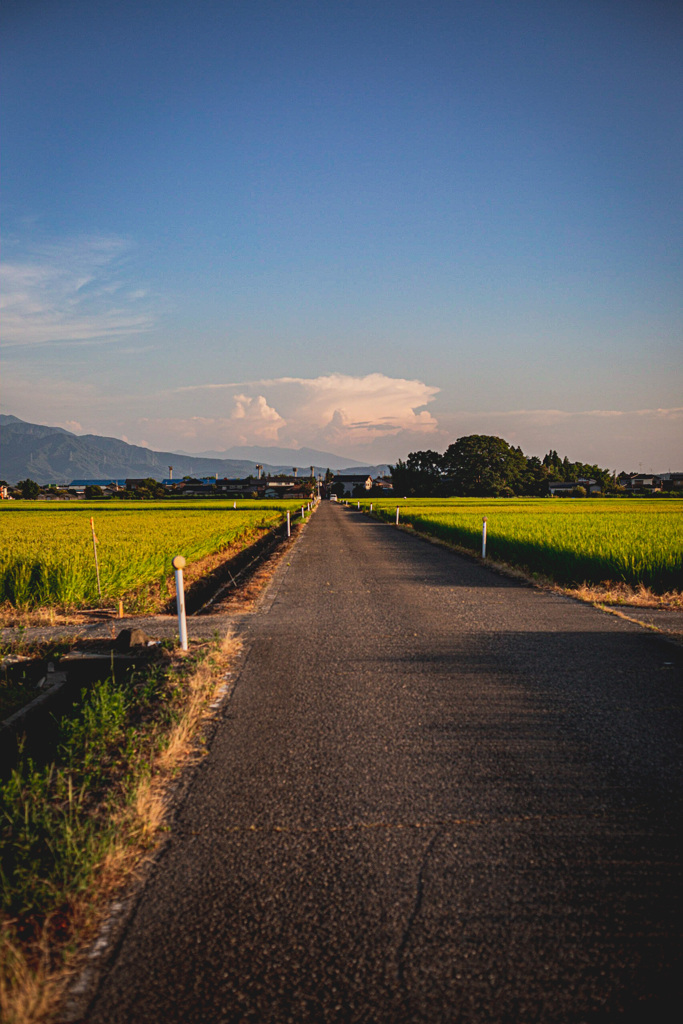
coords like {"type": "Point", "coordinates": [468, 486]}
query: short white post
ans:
{"type": "Point", "coordinates": [483, 538]}
{"type": "Point", "coordinates": [371, 506]}
{"type": "Point", "coordinates": [359, 506]}
{"type": "Point", "coordinates": [397, 515]}
{"type": "Point", "coordinates": [234, 504]}
{"type": "Point", "coordinates": [289, 525]}
{"type": "Point", "coordinates": [179, 565]}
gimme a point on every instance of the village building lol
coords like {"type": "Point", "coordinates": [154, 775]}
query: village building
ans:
{"type": "Point", "coordinates": [351, 481]}
{"type": "Point", "coordinates": [640, 482]}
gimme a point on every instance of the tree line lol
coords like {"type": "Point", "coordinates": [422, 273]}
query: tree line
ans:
{"type": "Point", "coordinates": [484, 466]}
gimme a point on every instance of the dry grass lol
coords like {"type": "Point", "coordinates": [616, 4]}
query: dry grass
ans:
{"type": "Point", "coordinates": [36, 971]}
{"type": "Point", "coordinates": [11, 616]}
{"type": "Point", "coordinates": [622, 594]}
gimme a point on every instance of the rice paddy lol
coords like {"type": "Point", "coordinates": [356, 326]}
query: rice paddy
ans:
{"type": "Point", "coordinates": [636, 542]}
{"type": "Point", "coordinates": [47, 556]}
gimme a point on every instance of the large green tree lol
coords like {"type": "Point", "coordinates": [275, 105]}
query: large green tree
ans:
{"type": "Point", "coordinates": [482, 465]}
{"type": "Point", "coordinates": [420, 476]}
{"type": "Point", "coordinates": [29, 488]}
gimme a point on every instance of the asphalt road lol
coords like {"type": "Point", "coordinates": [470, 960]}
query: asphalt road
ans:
{"type": "Point", "coordinates": [435, 795]}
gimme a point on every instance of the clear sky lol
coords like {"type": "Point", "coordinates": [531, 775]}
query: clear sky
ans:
{"type": "Point", "coordinates": [359, 225]}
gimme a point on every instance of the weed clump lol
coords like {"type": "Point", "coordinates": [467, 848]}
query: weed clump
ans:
{"type": "Point", "coordinates": [71, 830]}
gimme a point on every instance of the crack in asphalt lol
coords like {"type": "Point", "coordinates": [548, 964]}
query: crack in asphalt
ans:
{"type": "Point", "coordinates": [412, 916]}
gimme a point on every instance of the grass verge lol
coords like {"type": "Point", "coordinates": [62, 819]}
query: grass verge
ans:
{"type": "Point", "coordinates": [76, 829]}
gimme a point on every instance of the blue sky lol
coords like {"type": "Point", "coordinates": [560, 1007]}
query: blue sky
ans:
{"type": "Point", "coordinates": [362, 226]}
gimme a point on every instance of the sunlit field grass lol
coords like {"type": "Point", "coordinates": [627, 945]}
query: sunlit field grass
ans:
{"type": "Point", "coordinates": [573, 541]}
{"type": "Point", "coordinates": [47, 558]}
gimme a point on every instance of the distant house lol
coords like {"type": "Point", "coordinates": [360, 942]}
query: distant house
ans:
{"type": "Point", "coordinates": [560, 487]}
{"type": "Point", "coordinates": [211, 486]}
{"type": "Point", "coordinates": [281, 488]}
{"type": "Point", "coordinates": [350, 482]}
{"type": "Point", "coordinates": [564, 488]}
{"type": "Point", "coordinates": [232, 488]}
{"type": "Point", "coordinates": [640, 481]}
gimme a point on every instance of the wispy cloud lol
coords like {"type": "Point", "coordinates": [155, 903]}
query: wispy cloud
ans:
{"type": "Point", "coordinates": [562, 415]}
{"type": "Point", "coordinates": [74, 292]}
{"type": "Point", "coordinates": [618, 438]}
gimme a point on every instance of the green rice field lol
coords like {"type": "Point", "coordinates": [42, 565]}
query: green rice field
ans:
{"type": "Point", "coordinates": [46, 548]}
{"type": "Point", "coordinates": [586, 540]}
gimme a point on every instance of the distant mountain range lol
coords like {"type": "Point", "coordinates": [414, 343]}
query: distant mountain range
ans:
{"type": "Point", "coordinates": [53, 455]}
{"type": "Point", "coordinates": [303, 457]}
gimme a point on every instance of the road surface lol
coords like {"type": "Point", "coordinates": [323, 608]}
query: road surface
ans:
{"type": "Point", "coordinates": [435, 795]}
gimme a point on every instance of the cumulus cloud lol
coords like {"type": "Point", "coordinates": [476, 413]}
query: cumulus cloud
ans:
{"type": "Point", "coordinates": [255, 419]}
{"type": "Point", "coordinates": [76, 291]}
{"type": "Point", "coordinates": [360, 409]}
{"type": "Point", "coordinates": [333, 410]}
{"type": "Point", "coordinates": [251, 421]}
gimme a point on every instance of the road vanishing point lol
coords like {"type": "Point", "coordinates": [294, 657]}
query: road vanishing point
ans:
{"type": "Point", "coordinates": [435, 794]}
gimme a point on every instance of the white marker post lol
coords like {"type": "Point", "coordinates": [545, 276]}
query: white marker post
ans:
{"type": "Point", "coordinates": [97, 564]}
{"type": "Point", "coordinates": [179, 565]}
{"type": "Point", "coordinates": [303, 514]}
{"type": "Point", "coordinates": [371, 506]}
{"type": "Point", "coordinates": [397, 515]}
{"type": "Point", "coordinates": [289, 525]}
{"type": "Point", "coordinates": [359, 506]}
{"type": "Point", "coordinates": [483, 538]}
{"type": "Point", "coordinates": [234, 504]}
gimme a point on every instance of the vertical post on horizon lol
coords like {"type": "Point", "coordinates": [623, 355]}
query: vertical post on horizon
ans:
{"type": "Point", "coordinates": [289, 525]}
{"type": "Point", "coordinates": [97, 564]}
{"type": "Point", "coordinates": [483, 538]}
{"type": "Point", "coordinates": [397, 515]}
{"type": "Point", "coordinates": [178, 566]}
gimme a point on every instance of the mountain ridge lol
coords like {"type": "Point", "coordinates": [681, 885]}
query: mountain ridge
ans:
{"type": "Point", "coordinates": [54, 455]}
{"type": "Point", "coordinates": [276, 455]}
